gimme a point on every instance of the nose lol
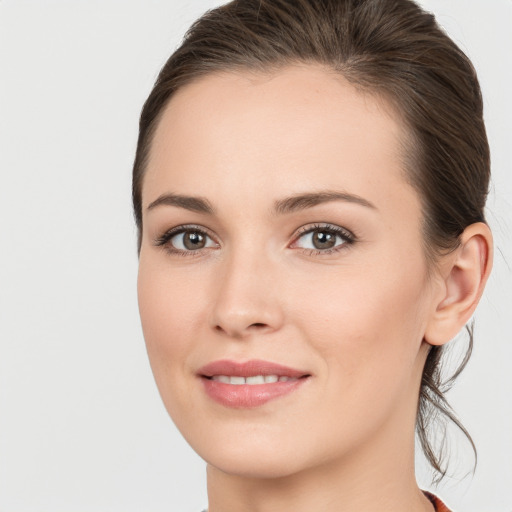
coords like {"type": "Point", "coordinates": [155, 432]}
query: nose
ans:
{"type": "Point", "coordinates": [247, 297]}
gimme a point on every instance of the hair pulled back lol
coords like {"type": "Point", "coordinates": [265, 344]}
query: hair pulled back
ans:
{"type": "Point", "coordinates": [391, 48]}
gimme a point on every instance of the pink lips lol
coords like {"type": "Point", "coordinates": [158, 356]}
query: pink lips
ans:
{"type": "Point", "coordinates": [249, 395]}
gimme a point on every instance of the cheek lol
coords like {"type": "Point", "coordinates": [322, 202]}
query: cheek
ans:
{"type": "Point", "coordinates": [362, 303]}
{"type": "Point", "coordinates": [367, 323]}
{"type": "Point", "coordinates": [168, 312]}
{"type": "Point", "coordinates": [169, 300]}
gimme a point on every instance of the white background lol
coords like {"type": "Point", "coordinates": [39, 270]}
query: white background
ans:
{"type": "Point", "coordinates": [81, 424]}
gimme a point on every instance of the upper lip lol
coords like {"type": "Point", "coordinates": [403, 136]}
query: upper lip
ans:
{"type": "Point", "coordinates": [249, 369]}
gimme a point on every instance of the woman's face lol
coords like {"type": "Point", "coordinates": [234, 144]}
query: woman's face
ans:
{"type": "Point", "coordinates": [279, 230]}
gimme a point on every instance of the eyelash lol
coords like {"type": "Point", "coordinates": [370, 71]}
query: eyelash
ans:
{"type": "Point", "coordinates": [348, 238]}
{"type": "Point", "coordinates": [163, 240]}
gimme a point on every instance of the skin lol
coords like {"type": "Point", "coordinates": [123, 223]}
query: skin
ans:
{"type": "Point", "coordinates": [357, 319]}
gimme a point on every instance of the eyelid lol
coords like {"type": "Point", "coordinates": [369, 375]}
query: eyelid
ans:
{"type": "Point", "coordinates": [316, 226]}
{"type": "Point", "coordinates": [347, 235]}
{"type": "Point", "coordinates": [164, 239]}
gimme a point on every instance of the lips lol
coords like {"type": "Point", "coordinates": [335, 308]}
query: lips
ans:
{"type": "Point", "coordinates": [249, 369]}
{"type": "Point", "coordinates": [249, 384]}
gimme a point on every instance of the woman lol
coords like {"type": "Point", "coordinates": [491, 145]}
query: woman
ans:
{"type": "Point", "coordinates": [309, 188]}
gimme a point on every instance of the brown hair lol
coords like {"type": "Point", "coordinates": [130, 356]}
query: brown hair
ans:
{"type": "Point", "coordinates": [388, 47]}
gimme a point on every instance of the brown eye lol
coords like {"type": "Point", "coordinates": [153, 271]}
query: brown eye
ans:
{"type": "Point", "coordinates": [193, 240]}
{"type": "Point", "coordinates": [323, 240]}
{"type": "Point", "coordinates": [190, 240]}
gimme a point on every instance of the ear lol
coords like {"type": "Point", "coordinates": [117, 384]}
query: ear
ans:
{"type": "Point", "coordinates": [463, 274]}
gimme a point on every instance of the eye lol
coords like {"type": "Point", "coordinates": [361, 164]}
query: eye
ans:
{"type": "Point", "coordinates": [185, 239]}
{"type": "Point", "coordinates": [191, 240]}
{"type": "Point", "coordinates": [323, 239]}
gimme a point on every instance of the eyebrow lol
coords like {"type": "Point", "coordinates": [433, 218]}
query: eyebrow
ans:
{"type": "Point", "coordinates": [304, 201]}
{"type": "Point", "coordinates": [194, 204]}
{"type": "Point", "coordinates": [282, 206]}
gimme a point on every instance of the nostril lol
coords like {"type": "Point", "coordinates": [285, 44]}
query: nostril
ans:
{"type": "Point", "coordinates": [257, 324]}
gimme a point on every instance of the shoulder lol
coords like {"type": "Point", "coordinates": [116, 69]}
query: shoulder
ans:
{"type": "Point", "coordinates": [438, 504]}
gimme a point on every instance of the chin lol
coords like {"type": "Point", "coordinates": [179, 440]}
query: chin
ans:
{"type": "Point", "coordinates": [258, 466]}
{"type": "Point", "coordinates": [252, 453]}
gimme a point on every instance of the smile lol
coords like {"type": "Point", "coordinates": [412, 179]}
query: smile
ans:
{"type": "Point", "coordinates": [256, 379]}
{"type": "Point", "coordinates": [249, 384]}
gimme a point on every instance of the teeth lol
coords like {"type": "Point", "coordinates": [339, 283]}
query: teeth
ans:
{"type": "Point", "coordinates": [255, 379]}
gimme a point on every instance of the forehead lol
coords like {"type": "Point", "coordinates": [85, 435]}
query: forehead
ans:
{"type": "Point", "coordinates": [282, 132]}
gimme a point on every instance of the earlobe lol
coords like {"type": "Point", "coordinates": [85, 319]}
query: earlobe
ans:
{"type": "Point", "coordinates": [463, 279]}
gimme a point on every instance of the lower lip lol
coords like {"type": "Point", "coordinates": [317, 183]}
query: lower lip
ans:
{"type": "Point", "coordinates": [248, 395]}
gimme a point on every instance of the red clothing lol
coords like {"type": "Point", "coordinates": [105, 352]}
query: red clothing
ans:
{"type": "Point", "coordinates": [438, 504]}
